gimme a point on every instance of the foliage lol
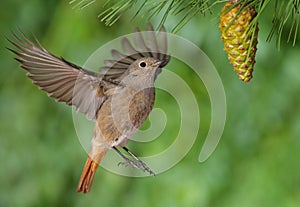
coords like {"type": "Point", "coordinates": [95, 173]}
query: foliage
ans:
{"type": "Point", "coordinates": [286, 13]}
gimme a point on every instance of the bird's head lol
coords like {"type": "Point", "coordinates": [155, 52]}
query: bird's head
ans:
{"type": "Point", "coordinates": [143, 70]}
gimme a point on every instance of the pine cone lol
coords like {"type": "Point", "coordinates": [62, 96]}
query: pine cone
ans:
{"type": "Point", "coordinates": [236, 36]}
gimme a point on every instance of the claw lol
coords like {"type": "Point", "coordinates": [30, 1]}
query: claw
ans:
{"type": "Point", "coordinates": [137, 163]}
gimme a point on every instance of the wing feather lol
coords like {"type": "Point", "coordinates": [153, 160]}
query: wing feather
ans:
{"type": "Point", "coordinates": [150, 45]}
{"type": "Point", "coordinates": [69, 83]}
{"type": "Point", "coordinates": [62, 80]}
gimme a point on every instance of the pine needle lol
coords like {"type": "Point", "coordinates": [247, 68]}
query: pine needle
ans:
{"type": "Point", "coordinates": [286, 13]}
{"type": "Point", "coordinates": [81, 4]}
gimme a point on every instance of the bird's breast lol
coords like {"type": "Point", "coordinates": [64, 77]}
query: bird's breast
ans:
{"type": "Point", "coordinates": [140, 106]}
{"type": "Point", "coordinates": [123, 113]}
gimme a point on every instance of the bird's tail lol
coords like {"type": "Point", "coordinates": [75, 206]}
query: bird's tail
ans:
{"type": "Point", "coordinates": [88, 173]}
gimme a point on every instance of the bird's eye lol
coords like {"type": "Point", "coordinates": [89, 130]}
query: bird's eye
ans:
{"type": "Point", "coordinates": [142, 64]}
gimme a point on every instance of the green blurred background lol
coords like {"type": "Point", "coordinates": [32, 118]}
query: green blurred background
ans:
{"type": "Point", "coordinates": [255, 164]}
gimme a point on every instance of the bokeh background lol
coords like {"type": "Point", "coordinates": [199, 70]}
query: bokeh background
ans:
{"type": "Point", "coordinates": [255, 164]}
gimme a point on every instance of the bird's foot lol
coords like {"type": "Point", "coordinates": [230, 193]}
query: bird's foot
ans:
{"type": "Point", "coordinates": [138, 164]}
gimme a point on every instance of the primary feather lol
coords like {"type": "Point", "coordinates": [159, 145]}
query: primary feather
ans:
{"type": "Point", "coordinates": [86, 90]}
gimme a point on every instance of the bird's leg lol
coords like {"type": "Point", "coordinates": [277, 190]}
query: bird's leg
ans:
{"type": "Point", "coordinates": [127, 160]}
{"type": "Point", "coordinates": [137, 163]}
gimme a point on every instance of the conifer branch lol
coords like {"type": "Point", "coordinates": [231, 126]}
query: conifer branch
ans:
{"type": "Point", "coordinates": [286, 12]}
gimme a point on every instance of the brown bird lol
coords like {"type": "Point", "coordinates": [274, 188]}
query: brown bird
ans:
{"type": "Point", "coordinates": [119, 98]}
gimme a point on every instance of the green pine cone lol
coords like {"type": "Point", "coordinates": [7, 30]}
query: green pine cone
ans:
{"type": "Point", "coordinates": [237, 39]}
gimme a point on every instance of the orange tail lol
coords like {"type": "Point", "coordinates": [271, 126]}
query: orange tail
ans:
{"type": "Point", "coordinates": [88, 173]}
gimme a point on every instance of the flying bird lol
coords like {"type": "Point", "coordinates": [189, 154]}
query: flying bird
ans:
{"type": "Point", "coordinates": [119, 98]}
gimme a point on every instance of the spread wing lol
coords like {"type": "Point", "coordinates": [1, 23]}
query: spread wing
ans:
{"type": "Point", "coordinates": [147, 44]}
{"type": "Point", "coordinates": [86, 90]}
{"type": "Point", "coordinates": [62, 80]}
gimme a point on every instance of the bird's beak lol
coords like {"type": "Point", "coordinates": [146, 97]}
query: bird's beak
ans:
{"type": "Point", "coordinates": [157, 63]}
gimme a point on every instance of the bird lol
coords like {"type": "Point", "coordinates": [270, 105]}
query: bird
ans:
{"type": "Point", "coordinates": [119, 98]}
